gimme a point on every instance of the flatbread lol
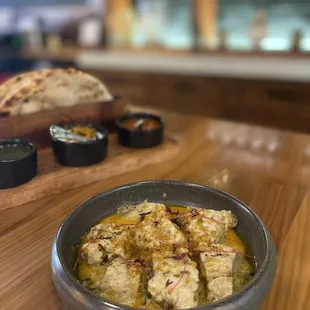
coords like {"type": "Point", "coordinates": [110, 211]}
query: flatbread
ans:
{"type": "Point", "coordinates": [12, 85]}
{"type": "Point", "coordinates": [48, 89]}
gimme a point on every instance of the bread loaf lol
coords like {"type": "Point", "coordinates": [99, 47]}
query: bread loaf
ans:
{"type": "Point", "coordinates": [48, 89]}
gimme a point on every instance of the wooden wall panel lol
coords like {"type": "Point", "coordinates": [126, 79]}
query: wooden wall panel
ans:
{"type": "Point", "coordinates": [284, 105]}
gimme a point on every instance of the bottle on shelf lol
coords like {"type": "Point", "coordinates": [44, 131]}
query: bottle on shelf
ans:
{"type": "Point", "coordinates": [120, 23]}
{"type": "Point", "coordinates": [90, 31]}
{"type": "Point", "coordinates": [195, 27]}
{"type": "Point", "coordinates": [258, 29]}
{"type": "Point", "coordinates": [205, 23]}
{"type": "Point", "coordinates": [296, 41]}
{"type": "Point", "coordinates": [222, 40]}
{"type": "Point", "coordinates": [151, 20]}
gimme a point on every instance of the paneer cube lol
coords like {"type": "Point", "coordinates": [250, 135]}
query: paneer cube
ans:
{"type": "Point", "coordinates": [208, 226]}
{"type": "Point", "coordinates": [105, 230]}
{"type": "Point", "coordinates": [157, 235]}
{"type": "Point", "coordinates": [219, 288]}
{"type": "Point", "coordinates": [150, 211]}
{"type": "Point", "coordinates": [219, 261]}
{"type": "Point", "coordinates": [104, 241]}
{"type": "Point", "coordinates": [91, 252]}
{"type": "Point", "coordinates": [121, 282]}
{"type": "Point", "coordinates": [175, 281]}
{"type": "Point", "coordinates": [223, 216]}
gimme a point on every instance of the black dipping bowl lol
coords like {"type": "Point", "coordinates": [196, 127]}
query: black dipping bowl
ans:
{"type": "Point", "coordinates": [81, 154]}
{"type": "Point", "coordinates": [138, 138]}
{"type": "Point", "coordinates": [90, 212]}
{"type": "Point", "coordinates": [18, 162]}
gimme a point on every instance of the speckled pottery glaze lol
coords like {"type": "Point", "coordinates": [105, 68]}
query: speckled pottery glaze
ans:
{"type": "Point", "coordinates": [87, 214]}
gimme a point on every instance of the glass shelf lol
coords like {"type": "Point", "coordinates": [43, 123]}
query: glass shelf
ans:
{"type": "Point", "coordinates": [283, 19]}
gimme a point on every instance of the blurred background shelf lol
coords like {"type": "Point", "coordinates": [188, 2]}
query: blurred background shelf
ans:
{"type": "Point", "coordinates": [220, 65]}
{"type": "Point", "coordinates": [65, 54]}
{"type": "Point", "coordinates": [71, 53]}
{"type": "Point", "coordinates": [243, 60]}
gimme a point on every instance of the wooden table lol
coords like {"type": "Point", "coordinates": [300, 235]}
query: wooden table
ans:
{"type": "Point", "coordinates": [267, 169]}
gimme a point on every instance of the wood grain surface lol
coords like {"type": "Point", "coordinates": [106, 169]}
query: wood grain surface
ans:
{"type": "Point", "coordinates": [54, 178]}
{"type": "Point", "coordinates": [293, 275]}
{"type": "Point", "coordinates": [267, 169]}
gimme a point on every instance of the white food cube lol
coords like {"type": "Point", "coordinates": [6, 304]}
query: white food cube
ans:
{"type": "Point", "coordinates": [121, 282]}
{"type": "Point", "coordinates": [92, 253]}
{"type": "Point", "coordinates": [175, 281]}
{"type": "Point", "coordinates": [104, 230]}
{"type": "Point", "coordinates": [223, 216]}
{"type": "Point", "coordinates": [150, 211]}
{"type": "Point", "coordinates": [219, 261]}
{"type": "Point", "coordinates": [105, 240]}
{"type": "Point", "coordinates": [208, 226]}
{"type": "Point", "coordinates": [219, 288]}
{"type": "Point", "coordinates": [154, 236]}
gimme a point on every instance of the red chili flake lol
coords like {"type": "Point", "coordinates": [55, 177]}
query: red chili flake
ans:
{"type": "Point", "coordinates": [105, 238]}
{"type": "Point", "coordinates": [174, 221]}
{"type": "Point", "coordinates": [155, 223]}
{"type": "Point", "coordinates": [179, 257]}
{"type": "Point", "coordinates": [174, 247]}
{"type": "Point", "coordinates": [126, 261]}
{"type": "Point", "coordinates": [168, 210]}
{"type": "Point", "coordinates": [176, 213]}
{"type": "Point", "coordinates": [101, 247]}
{"type": "Point", "coordinates": [142, 215]}
{"type": "Point", "coordinates": [195, 212]}
{"type": "Point", "coordinates": [111, 259]}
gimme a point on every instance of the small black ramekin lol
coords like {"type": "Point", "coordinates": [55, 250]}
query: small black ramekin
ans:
{"type": "Point", "coordinates": [15, 172]}
{"type": "Point", "coordinates": [81, 154]}
{"type": "Point", "coordinates": [137, 138]}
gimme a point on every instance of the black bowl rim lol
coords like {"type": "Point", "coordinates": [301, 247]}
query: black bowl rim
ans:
{"type": "Point", "coordinates": [32, 151]}
{"type": "Point", "coordinates": [99, 128]}
{"type": "Point", "coordinates": [118, 121]}
{"type": "Point", "coordinates": [269, 245]}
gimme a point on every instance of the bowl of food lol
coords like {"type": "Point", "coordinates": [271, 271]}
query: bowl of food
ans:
{"type": "Point", "coordinates": [140, 130]}
{"type": "Point", "coordinates": [79, 144]}
{"type": "Point", "coordinates": [160, 245]}
{"type": "Point", "coordinates": [18, 162]}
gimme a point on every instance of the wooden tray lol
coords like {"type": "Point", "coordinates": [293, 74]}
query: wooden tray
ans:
{"type": "Point", "coordinates": [34, 127]}
{"type": "Point", "coordinates": [53, 178]}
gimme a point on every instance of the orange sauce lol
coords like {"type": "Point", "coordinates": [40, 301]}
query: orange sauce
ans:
{"type": "Point", "coordinates": [233, 240]}
{"type": "Point", "coordinates": [145, 123]}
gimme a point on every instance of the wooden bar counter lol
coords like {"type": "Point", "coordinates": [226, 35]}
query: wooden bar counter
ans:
{"type": "Point", "coordinates": [267, 169]}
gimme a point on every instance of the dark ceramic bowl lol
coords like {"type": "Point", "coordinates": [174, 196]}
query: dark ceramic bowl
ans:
{"type": "Point", "coordinates": [138, 138]}
{"type": "Point", "coordinates": [81, 154]}
{"type": "Point", "coordinates": [18, 162]}
{"type": "Point", "coordinates": [252, 229]}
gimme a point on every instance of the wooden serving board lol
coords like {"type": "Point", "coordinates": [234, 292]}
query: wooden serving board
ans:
{"type": "Point", "coordinates": [34, 127]}
{"type": "Point", "coordinates": [53, 178]}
